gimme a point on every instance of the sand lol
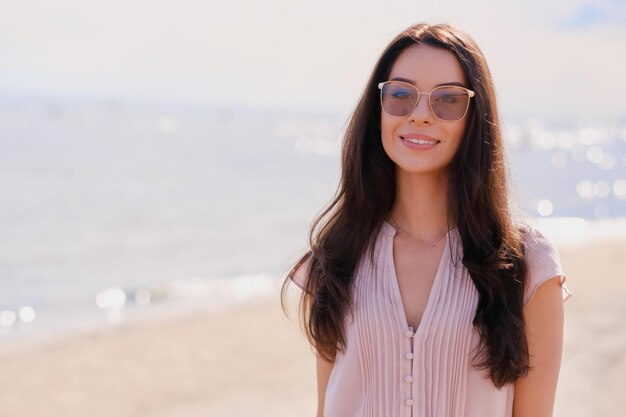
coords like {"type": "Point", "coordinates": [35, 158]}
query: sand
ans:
{"type": "Point", "coordinates": [250, 360]}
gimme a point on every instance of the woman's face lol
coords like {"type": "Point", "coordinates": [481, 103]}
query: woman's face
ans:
{"type": "Point", "coordinates": [425, 67]}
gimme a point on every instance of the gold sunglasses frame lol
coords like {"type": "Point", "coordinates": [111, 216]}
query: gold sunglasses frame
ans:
{"type": "Point", "coordinates": [470, 93]}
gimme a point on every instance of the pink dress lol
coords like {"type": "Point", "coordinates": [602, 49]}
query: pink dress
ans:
{"type": "Point", "coordinates": [390, 370]}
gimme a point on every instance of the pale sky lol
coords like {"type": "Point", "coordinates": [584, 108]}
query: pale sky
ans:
{"type": "Point", "coordinates": [549, 58]}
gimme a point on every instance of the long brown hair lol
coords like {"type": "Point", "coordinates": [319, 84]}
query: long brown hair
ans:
{"type": "Point", "coordinates": [478, 205]}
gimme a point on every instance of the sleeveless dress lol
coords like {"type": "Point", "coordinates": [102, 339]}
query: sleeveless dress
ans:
{"type": "Point", "coordinates": [390, 369]}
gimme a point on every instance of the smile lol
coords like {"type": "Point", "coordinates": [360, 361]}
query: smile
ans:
{"type": "Point", "coordinates": [421, 141]}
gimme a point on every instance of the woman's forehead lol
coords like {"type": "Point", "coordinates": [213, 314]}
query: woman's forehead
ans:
{"type": "Point", "coordinates": [427, 66]}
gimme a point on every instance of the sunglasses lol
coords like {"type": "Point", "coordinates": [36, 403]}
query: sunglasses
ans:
{"type": "Point", "coordinates": [447, 102]}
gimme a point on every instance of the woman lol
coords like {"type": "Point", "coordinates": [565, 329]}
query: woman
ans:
{"type": "Point", "coordinates": [423, 294]}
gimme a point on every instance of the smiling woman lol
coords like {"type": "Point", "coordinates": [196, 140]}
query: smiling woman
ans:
{"type": "Point", "coordinates": [407, 121]}
{"type": "Point", "coordinates": [422, 294]}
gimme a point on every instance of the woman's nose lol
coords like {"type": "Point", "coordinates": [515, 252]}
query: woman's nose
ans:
{"type": "Point", "coordinates": [422, 110]}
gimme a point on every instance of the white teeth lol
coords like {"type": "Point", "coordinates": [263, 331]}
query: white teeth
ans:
{"type": "Point", "coordinates": [422, 141]}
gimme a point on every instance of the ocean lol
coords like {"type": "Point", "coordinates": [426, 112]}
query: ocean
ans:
{"type": "Point", "coordinates": [113, 209]}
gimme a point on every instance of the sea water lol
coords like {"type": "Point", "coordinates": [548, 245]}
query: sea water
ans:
{"type": "Point", "coordinates": [110, 209]}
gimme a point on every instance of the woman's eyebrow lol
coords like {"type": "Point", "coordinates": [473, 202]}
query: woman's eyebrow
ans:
{"type": "Point", "coordinates": [406, 80]}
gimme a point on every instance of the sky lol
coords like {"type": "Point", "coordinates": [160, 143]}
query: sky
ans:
{"type": "Point", "coordinates": [548, 58]}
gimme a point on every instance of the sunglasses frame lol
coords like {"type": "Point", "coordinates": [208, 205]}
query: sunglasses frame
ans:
{"type": "Point", "coordinates": [470, 93]}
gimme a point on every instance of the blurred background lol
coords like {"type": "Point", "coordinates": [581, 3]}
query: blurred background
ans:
{"type": "Point", "coordinates": [159, 159]}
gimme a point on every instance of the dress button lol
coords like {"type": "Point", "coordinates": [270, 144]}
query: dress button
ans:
{"type": "Point", "coordinates": [408, 334]}
{"type": "Point", "coordinates": [409, 355]}
{"type": "Point", "coordinates": [409, 402]}
{"type": "Point", "coordinates": [408, 378]}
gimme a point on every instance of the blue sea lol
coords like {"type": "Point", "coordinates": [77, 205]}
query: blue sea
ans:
{"type": "Point", "coordinates": [111, 209]}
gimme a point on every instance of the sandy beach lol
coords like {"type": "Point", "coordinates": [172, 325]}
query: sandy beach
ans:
{"type": "Point", "coordinates": [250, 360]}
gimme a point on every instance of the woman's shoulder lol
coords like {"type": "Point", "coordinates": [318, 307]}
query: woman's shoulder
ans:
{"type": "Point", "coordinates": [300, 272]}
{"type": "Point", "coordinates": [537, 242]}
{"type": "Point", "coordinates": [542, 261]}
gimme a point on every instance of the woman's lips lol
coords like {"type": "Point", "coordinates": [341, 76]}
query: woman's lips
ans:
{"type": "Point", "coordinates": [421, 142]}
{"type": "Point", "coordinates": [420, 139]}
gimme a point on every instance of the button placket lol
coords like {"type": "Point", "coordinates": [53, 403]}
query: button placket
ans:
{"type": "Point", "coordinates": [409, 356]}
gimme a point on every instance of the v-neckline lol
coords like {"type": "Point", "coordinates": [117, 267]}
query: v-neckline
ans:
{"type": "Point", "coordinates": [434, 288]}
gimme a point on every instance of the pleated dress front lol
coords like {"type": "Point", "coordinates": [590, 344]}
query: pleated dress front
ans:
{"type": "Point", "coordinates": [389, 369]}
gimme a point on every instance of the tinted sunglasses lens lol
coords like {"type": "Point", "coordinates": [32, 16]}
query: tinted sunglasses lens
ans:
{"type": "Point", "coordinates": [398, 99]}
{"type": "Point", "coordinates": [449, 103]}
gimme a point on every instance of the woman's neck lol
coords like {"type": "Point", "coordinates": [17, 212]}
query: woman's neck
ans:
{"type": "Point", "coordinates": [421, 205]}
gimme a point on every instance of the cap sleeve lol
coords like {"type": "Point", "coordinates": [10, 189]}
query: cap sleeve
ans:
{"type": "Point", "coordinates": [301, 274]}
{"type": "Point", "coordinates": [543, 262]}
